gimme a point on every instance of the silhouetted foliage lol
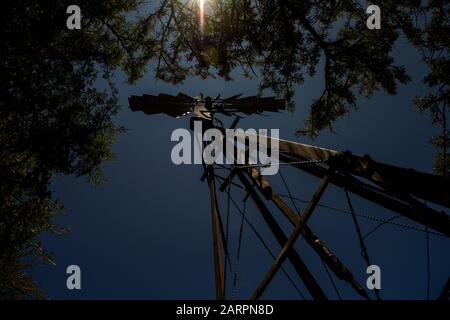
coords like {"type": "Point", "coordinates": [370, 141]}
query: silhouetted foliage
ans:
{"type": "Point", "coordinates": [55, 119]}
{"type": "Point", "coordinates": [284, 43]}
{"type": "Point", "coordinates": [433, 40]}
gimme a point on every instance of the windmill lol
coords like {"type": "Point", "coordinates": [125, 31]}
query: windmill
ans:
{"type": "Point", "coordinates": [404, 191]}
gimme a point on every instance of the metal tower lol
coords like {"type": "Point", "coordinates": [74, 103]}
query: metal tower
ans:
{"type": "Point", "coordinates": [404, 191]}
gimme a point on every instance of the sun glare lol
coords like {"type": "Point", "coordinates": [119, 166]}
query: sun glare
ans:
{"type": "Point", "coordinates": [202, 14]}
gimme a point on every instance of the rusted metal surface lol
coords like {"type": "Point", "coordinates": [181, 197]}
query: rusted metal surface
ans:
{"type": "Point", "coordinates": [288, 247]}
{"type": "Point", "coordinates": [339, 269]}
{"type": "Point", "coordinates": [426, 186]}
{"type": "Point", "coordinates": [438, 221]}
{"type": "Point", "coordinates": [301, 268]}
{"type": "Point", "coordinates": [217, 238]}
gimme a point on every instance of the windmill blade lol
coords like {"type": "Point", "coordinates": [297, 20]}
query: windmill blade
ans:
{"type": "Point", "coordinates": [182, 104]}
{"type": "Point", "coordinates": [228, 114]}
{"type": "Point", "coordinates": [174, 106]}
{"type": "Point", "coordinates": [232, 98]}
{"type": "Point", "coordinates": [255, 104]}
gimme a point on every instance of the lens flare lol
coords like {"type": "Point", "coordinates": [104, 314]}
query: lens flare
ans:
{"type": "Point", "coordinates": [202, 14]}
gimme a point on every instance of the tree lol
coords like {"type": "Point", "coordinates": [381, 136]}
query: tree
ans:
{"type": "Point", "coordinates": [53, 119]}
{"type": "Point", "coordinates": [284, 42]}
{"type": "Point", "coordinates": [434, 42]}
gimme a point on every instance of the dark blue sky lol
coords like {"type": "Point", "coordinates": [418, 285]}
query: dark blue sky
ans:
{"type": "Point", "coordinates": [146, 234]}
